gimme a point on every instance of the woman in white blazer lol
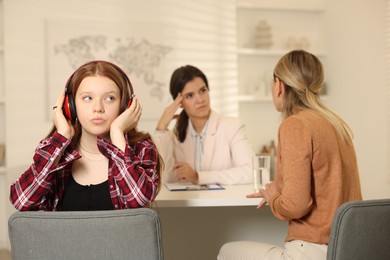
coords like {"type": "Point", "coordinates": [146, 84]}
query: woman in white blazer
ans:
{"type": "Point", "coordinates": [204, 147]}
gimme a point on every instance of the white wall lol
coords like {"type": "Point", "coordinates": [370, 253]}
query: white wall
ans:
{"type": "Point", "coordinates": [357, 83]}
{"type": "Point", "coordinates": [356, 74]}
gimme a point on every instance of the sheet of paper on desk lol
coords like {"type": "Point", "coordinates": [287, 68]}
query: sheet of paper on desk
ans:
{"type": "Point", "coordinates": [184, 186]}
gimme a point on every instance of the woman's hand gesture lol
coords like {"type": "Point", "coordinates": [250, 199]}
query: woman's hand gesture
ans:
{"type": "Point", "coordinates": [185, 173]}
{"type": "Point", "coordinates": [267, 193]}
{"type": "Point", "coordinates": [169, 113]}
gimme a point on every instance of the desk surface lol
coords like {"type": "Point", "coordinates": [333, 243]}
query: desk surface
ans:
{"type": "Point", "coordinates": [234, 195]}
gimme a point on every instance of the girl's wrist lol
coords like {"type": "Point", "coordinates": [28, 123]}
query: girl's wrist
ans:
{"type": "Point", "coordinates": [115, 131]}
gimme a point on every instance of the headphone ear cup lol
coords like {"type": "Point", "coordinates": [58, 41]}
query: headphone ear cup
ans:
{"type": "Point", "coordinates": [69, 108]}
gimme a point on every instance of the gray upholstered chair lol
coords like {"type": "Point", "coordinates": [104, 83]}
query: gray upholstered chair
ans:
{"type": "Point", "coordinates": [361, 230]}
{"type": "Point", "coordinates": [116, 234]}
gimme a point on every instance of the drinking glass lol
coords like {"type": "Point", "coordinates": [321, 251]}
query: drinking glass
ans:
{"type": "Point", "coordinates": [261, 171]}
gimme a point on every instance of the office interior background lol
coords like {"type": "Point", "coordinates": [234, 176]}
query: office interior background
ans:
{"type": "Point", "coordinates": [351, 37]}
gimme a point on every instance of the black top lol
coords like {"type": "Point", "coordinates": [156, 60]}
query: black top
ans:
{"type": "Point", "coordinates": [79, 197]}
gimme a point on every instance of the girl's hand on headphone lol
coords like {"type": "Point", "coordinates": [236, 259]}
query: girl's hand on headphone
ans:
{"type": "Point", "coordinates": [64, 127]}
{"type": "Point", "coordinates": [129, 119]}
{"type": "Point", "coordinates": [124, 122]}
{"type": "Point", "coordinates": [169, 113]}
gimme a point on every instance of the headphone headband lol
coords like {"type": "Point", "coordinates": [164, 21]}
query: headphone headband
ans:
{"type": "Point", "coordinates": [69, 105]}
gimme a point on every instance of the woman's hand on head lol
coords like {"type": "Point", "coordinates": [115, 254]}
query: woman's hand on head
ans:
{"type": "Point", "coordinates": [169, 113]}
{"type": "Point", "coordinates": [129, 119]}
{"type": "Point", "coordinates": [63, 126]}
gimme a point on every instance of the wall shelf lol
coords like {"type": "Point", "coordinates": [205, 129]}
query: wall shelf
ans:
{"type": "Point", "coordinates": [266, 99]}
{"type": "Point", "coordinates": [253, 98]}
{"type": "Point", "coordinates": [260, 52]}
{"type": "Point", "coordinates": [255, 65]}
{"type": "Point", "coordinates": [297, 5]}
{"type": "Point", "coordinates": [271, 53]}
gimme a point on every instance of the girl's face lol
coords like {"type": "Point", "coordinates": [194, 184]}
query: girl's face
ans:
{"type": "Point", "coordinates": [196, 99]}
{"type": "Point", "coordinates": [98, 105]}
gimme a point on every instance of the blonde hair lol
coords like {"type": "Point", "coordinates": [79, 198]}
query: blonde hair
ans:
{"type": "Point", "coordinates": [303, 76]}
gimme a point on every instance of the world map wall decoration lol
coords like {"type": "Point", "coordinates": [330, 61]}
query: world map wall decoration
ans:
{"type": "Point", "coordinates": [142, 50]}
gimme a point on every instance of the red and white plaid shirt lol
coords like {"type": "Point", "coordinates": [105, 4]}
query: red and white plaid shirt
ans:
{"type": "Point", "coordinates": [132, 175]}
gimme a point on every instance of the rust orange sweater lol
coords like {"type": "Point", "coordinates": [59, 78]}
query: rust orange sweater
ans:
{"type": "Point", "coordinates": [315, 173]}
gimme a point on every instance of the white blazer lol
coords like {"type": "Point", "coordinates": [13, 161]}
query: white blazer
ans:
{"type": "Point", "coordinates": [227, 155]}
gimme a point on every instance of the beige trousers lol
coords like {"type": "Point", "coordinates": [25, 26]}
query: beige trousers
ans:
{"type": "Point", "coordinates": [293, 250]}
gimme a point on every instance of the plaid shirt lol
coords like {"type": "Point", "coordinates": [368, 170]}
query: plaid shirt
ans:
{"type": "Point", "coordinates": [132, 175]}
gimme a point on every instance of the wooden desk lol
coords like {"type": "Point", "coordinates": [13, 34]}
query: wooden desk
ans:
{"type": "Point", "coordinates": [234, 195]}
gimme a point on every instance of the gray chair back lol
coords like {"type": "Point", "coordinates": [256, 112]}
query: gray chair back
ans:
{"type": "Point", "coordinates": [361, 230]}
{"type": "Point", "coordinates": [115, 234]}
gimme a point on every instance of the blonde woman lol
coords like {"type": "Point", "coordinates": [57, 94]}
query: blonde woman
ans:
{"type": "Point", "coordinates": [316, 168]}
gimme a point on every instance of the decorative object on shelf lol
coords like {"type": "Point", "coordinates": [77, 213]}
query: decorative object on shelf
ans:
{"type": "Point", "coordinates": [259, 85]}
{"type": "Point", "coordinates": [291, 43]}
{"type": "Point", "coordinates": [297, 44]}
{"type": "Point", "coordinates": [2, 152]}
{"type": "Point", "coordinates": [268, 149]}
{"type": "Point", "coordinates": [304, 43]}
{"type": "Point", "coordinates": [252, 86]}
{"type": "Point", "coordinates": [263, 36]}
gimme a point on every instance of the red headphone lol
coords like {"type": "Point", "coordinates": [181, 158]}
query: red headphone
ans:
{"type": "Point", "coordinates": [69, 105]}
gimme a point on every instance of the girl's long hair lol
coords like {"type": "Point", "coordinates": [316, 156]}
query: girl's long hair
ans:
{"type": "Point", "coordinates": [113, 72]}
